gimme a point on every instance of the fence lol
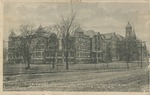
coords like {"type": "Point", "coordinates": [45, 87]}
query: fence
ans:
{"type": "Point", "coordinates": [14, 69]}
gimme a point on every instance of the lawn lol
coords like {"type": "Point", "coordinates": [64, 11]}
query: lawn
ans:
{"type": "Point", "coordinates": [13, 69]}
{"type": "Point", "coordinates": [86, 78]}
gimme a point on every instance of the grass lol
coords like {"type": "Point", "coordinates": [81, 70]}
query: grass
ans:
{"type": "Point", "coordinates": [12, 69]}
{"type": "Point", "coordinates": [79, 77]}
{"type": "Point", "coordinates": [91, 80]}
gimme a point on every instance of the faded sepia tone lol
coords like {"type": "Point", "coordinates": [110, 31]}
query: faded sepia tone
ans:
{"type": "Point", "coordinates": [76, 46]}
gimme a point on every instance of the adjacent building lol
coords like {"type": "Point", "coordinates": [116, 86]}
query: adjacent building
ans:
{"type": "Point", "coordinates": [82, 46]}
{"type": "Point", "coordinates": [97, 48]}
{"type": "Point", "coordinates": [13, 51]}
{"type": "Point", "coordinates": [131, 48]}
{"type": "Point", "coordinates": [112, 40]}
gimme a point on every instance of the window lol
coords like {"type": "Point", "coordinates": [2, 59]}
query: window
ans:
{"type": "Point", "coordinates": [33, 55]}
{"type": "Point", "coordinates": [79, 40]}
{"type": "Point", "coordinates": [14, 56]}
{"type": "Point", "coordinates": [59, 53]}
{"type": "Point", "coordinates": [71, 54]}
{"type": "Point", "coordinates": [10, 56]}
{"type": "Point", "coordinates": [17, 55]}
{"type": "Point", "coordinates": [40, 46]}
{"type": "Point", "coordinates": [38, 54]}
{"type": "Point", "coordinates": [88, 55]}
{"type": "Point", "coordinates": [47, 54]}
{"type": "Point", "coordinates": [42, 53]}
{"type": "Point", "coordinates": [41, 40]}
{"type": "Point", "coordinates": [79, 54]}
{"type": "Point", "coordinates": [79, 47]}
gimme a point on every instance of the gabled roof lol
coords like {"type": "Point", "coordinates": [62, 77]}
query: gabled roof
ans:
{"type": "Point", "coordinates": [119, 36]}
{"type": "Point", "coordinates": [40, 30]}
{"type": "Point", "coordinates": [40, 27]}
{"type": "Point", "coordinates": [128, 25]}
{"type": "Point", "coordinates": [89, 33]}
{"type": "Point", "coordinates": [108, 35]}
{"type": "Point", "coordinates": [78, 29]}
{"type": "Point", "coordinates": [12, 34]}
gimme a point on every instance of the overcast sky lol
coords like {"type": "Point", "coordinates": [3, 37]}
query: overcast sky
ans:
{"type": "Point", "coordinates": [100, 17]}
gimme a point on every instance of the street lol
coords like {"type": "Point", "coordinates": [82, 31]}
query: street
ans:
{"type": "Point", "coordinates": [132, 80]}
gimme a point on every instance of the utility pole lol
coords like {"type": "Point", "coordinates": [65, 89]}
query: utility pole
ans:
{"type": "Point", "coordinates": [142, 54]}
{"type": "Point", "coordinates": [107, 63]}
{"type": "Point", "coordinates": [127, 52]}
{"type": "Point", "coordinates": [107, 56]}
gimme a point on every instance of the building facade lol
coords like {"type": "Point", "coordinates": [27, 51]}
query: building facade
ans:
{"type": "Point", "coordinates": [131, 48]}
{"type": "Point", "coordinates": [97, 48]}
{"type": "Point", "coordinates": [13, 51]}
{"type": "Point", "coordinates": [47, 47]}
{"type": "Point", "coordinates": [82, 44]}
{"type": "Point", "coordinates": [112, 39]}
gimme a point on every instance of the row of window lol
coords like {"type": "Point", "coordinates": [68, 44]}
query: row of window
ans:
{"type": "Point", "coordinates": [51, 60]}
{"type": "Point", "coordinates": [37, 60]}
{"type": "Point", "coordinates": [59, 54]}
{"type": "Point", "coordinates": [99, 55]}
{"type": "Point", "coordinates": [14, 56]}
{"type": "Point", "coordinates": [34, 55]}
{"type": "Point", "coordinates": [39, 46]}
{"type": "Point", "coordinates": [37, 54]}
{"type": "Point", "coordinates": [82, 47]}
{"type": "Point", "coordinates": [12, 49]}
{"type": "Point", "coordinates": [81, 40]}
{"type": "Point", "coordinates": [81, 54]}
{"type": "Point", "coordinates": [82, 60]}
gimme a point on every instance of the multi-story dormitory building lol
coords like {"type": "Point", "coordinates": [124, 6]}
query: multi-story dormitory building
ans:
{"type": "Point", "coordinates": [83, 46]}
{"type": "Point", "coordinates": [47, 47]}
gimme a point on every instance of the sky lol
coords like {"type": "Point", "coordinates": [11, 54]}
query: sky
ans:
{"type": "Point", "coordinates": [101, 16]}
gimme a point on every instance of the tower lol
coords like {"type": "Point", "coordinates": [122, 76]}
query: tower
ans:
{"type": "Point", "coordinates": [128, 30]}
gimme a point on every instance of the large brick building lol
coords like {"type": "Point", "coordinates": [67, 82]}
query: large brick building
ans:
{"type": "Point", "coordinates": [13, 52]}
{"type": "Point", "coordinates": [136, 47]}
{"type": "Point", "coordinates": [112, 39]}
{"type": "Point", "coordinates": [82, 44]}
{"type": "Point", "coordinates": [47, 47]}
{"type": "Point", "coordinates": [97, 48]}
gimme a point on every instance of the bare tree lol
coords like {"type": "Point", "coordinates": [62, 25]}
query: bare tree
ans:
{"type": "Point", "coordinates": [53, 40]}
{"type": "Point", "coordinates": [127, 49]}
{"type": "Point", "coordinates": [66, 29]}
{"type": "Point", "coordinates": [25, 45]}
{"type": "Point", "coordinates": [54, 45]}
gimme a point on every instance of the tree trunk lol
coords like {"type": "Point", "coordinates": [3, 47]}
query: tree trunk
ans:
{"type": "Point", "coordinates": [28, 56]}
{"type": "Point", "coordinates": [67, 49]}
{"type": "Point", "coordinates": [141, 57]}
{"type": "Point", "coordinates": [128, 64]}
{"type": "Point", "coordinates": [28, 63]}
{"type": "Point", "coordinates": [54, 55]}
{"type": "Point", "coordinates": [53, 66]}
{"type": "Point", "coordinates": [67, 67]}
{"type": "Point", "coordinates": [107, 65]}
